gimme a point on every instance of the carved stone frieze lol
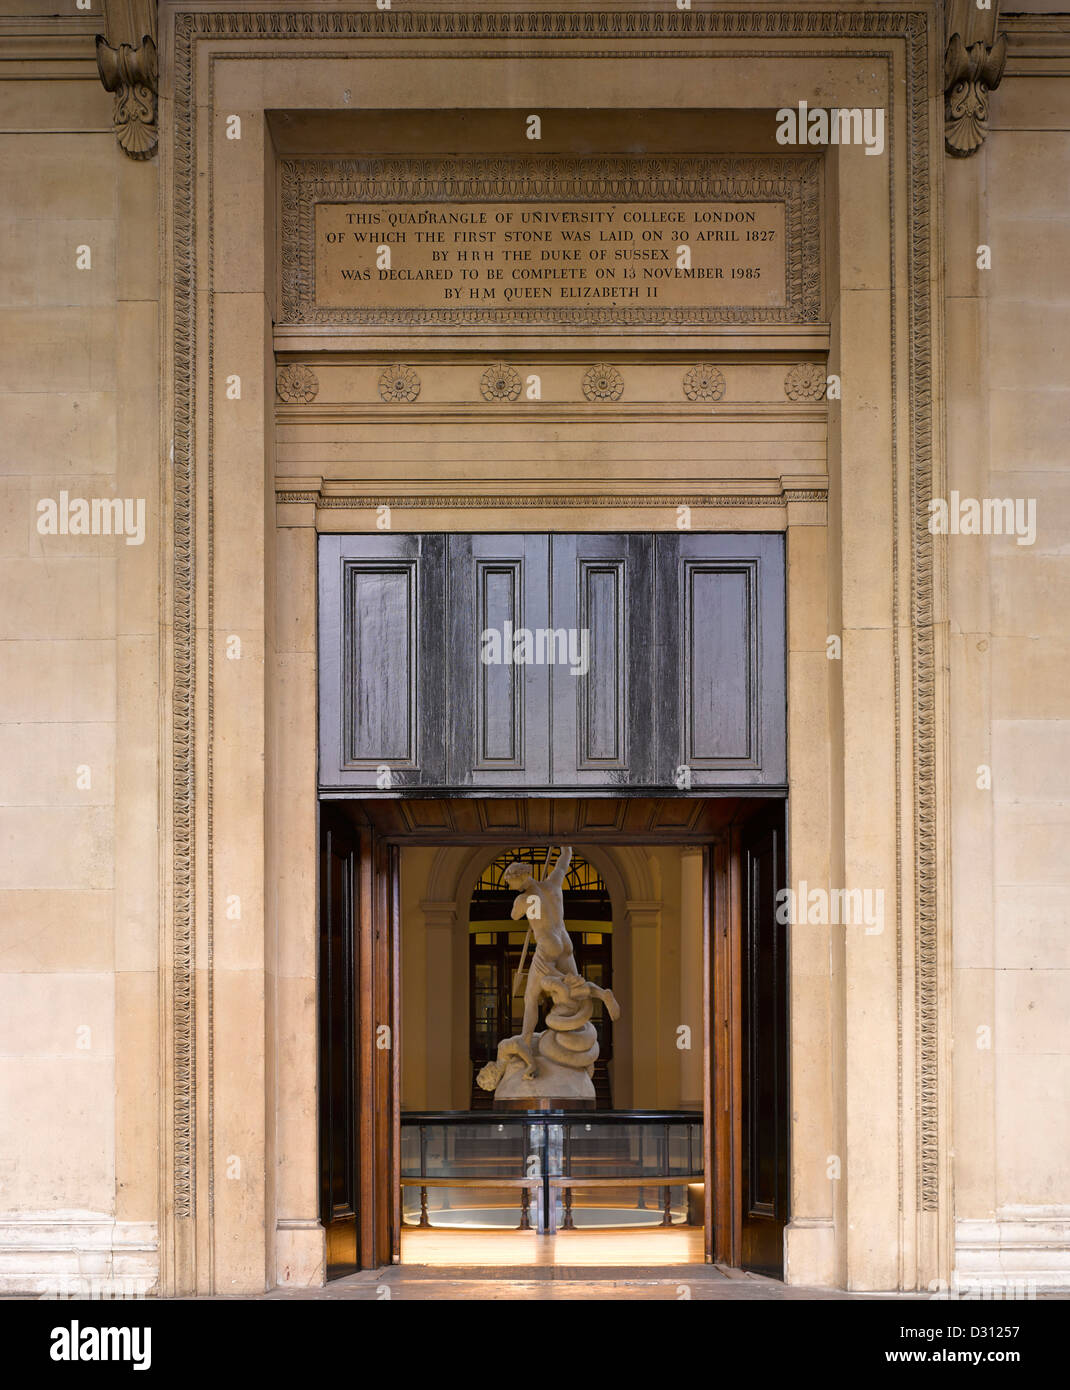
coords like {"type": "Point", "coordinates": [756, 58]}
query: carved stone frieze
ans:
{"type": "Point", "coordinates": [542, 501]}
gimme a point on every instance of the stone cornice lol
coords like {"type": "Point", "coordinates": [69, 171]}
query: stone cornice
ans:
{"type": "Point", "coordinates": [345, 497]}
{"type": "Point", "coordinates": [48, 47]}
{"type": "Point", "coordinates": [1038, 45]}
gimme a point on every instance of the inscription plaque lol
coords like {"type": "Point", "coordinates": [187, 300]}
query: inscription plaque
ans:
{"type": "Point", "coordinates": [496, 255]}
{"type": "Point", "coordinates": [470, 243]}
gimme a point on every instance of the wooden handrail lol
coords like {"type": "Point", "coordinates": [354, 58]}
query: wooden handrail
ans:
{"type": "Point", "coordinates": [651, 1180]}
{"type": "Point", "coordinates": [475, 1182]}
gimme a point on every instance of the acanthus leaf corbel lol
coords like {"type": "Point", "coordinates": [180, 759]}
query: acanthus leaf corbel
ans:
{"type": "Point", "coordinates": [974, 59]}
{"type": "Point", "coordinates": [126, 61]}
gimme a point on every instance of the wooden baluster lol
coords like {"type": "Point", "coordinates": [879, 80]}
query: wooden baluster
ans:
{"type": "Point", "coordinates": [525, 1206]}
{"type": "Point", "coordinates": [568, 1223]}
{"type": "Point", "coordinates": [424, 1222]}
{"type": "Point", "coordinates": [666, 1219]}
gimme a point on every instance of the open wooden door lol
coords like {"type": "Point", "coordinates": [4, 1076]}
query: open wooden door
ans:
{"type": "Point", "coordinates": [359, 1079]}
{"type": "Point", "coordinates": [764, 1039]}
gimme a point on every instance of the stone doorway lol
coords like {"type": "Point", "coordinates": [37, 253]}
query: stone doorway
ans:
{"type": "Point", "coordinates": [404, 1159]}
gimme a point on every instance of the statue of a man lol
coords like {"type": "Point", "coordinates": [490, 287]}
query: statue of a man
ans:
{"type": "Point", "coordinates": [541, 901]}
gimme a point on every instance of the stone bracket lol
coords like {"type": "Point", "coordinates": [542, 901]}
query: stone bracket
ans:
{"type": "Point", "coordinates": [126, 62]}
{"type": "Point", "coordinates": [973, 67]}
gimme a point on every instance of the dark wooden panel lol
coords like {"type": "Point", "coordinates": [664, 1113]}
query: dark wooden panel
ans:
{"type": "Point", "coordinates": [379, 608]}
{"type": "Point", "coordinates": [604, 731]}
{"type": "Point", "coordinates": [497, 708]}
{"type": "Point", "coordinates": [447, 662]}
{"type": "Point", "coordinates": [720, 614]}
{"type": "Point", "coordinates": [502, 814]}
{"type": "Point", "coordinates": [720, 660]}
{"type": "Point", "coordinates": [600, 814]}
{"type": "Point", "coordinates": [763, 1025]}
{"type": "Point", "coordinates": [382, 661]}
{"type": "Point", "coordinates": [543, 819]}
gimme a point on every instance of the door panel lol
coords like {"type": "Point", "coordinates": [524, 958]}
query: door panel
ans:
{"type": "Point", "coordinates": [719, 612]}
{"type": "Point", "coordinates": [764, 1028]}
{"type": "Point", "coordinates": [677, 641]}
{"type": "Point", "coordinates": [721, 667]}
{"type": "Point", "coordinates": [498, 711]}
{"type": "Point", "coordinates": [382, 661]}
{"type": "Point", "coordinates": [604, 719]}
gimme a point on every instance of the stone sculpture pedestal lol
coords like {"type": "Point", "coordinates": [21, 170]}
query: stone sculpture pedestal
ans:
{"type": "Point", "coordinates": [552, 1082]}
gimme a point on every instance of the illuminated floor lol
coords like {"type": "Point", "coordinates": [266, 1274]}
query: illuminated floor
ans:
{"type": "Point", "coordinates": [657, 1246]}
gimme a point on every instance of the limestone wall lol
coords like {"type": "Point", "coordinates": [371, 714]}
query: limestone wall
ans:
{"type": "Point", "coordinates": [1007, 418]}
{"type": "Point", "coordinates": [79, 741]}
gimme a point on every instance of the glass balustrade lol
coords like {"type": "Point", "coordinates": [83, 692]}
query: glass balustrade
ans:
{"type": "Point", "coordinates": [552, 1170]}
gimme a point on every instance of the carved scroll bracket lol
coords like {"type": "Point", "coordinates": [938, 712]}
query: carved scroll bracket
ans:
{"type": "Point", "coordinates": [973, 66]}
{"type": "Point", "coordinates": [126, 61]}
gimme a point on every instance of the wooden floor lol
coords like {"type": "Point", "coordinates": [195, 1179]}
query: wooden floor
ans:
{"type": "Point", "coordinates": [676, 1245]}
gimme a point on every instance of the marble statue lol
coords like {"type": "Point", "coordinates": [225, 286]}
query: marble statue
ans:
{"type": "Point", "coordinates": [557, 1062]}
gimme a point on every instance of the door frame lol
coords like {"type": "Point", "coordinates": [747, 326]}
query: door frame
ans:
{"type": "Point", "coordinates": [368, 993]}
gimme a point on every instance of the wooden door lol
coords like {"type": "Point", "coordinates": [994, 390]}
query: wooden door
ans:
{"type": "Point", "coordinates": [359, 1002]}
{"type": "Point", "coordinates": [764, 1037]}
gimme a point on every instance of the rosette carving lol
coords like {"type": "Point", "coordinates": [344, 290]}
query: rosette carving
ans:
{"type": "Point", "coordinates": [602, 382]}
{"type": "Point", "coordinates": [296, 384]}
{"type": "Point", "coordinates": [805, 382]}
{"type": "Point", "coordinates": [703, 382]}
{"type": "Point", "coordinates": [398, 383]}
{"type": "Point", "coordinates": [500, 382]}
